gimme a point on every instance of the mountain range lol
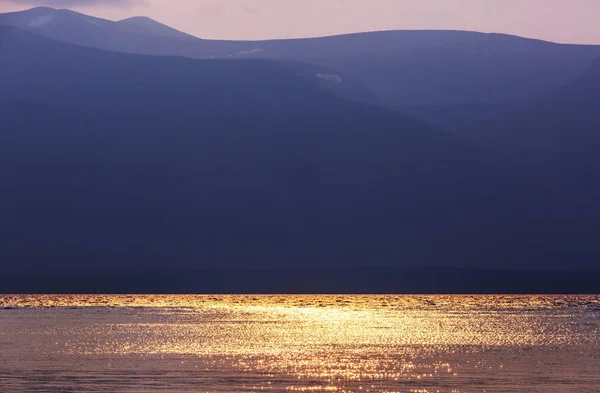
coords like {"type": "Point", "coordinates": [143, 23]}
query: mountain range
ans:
{"type": "Point", "coordinates": [146, 160]}
{"type": "Point", "coordinates": [217, 152]}
{"type": "Point", "coordinates": [415, 70]}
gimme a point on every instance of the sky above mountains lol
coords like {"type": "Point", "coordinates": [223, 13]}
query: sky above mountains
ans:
{"type": "Point", "coordinates": [567, 21]}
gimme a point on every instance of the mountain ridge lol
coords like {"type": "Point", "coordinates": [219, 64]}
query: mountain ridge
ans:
{"type": "Point", "coordinates": [403, 68]}
{"type": "Point", "coordinates": [150, 160]}
{"type": "Point", "coordinates": [358, 33]}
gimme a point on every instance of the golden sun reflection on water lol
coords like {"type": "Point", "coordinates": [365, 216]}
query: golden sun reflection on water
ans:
{"type": "Point", "coordinates": [304, 343]}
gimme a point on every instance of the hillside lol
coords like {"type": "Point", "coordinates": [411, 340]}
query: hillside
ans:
{"type": "Point", "coordinates": [556, 140]}
{"type": "Point", "coordinates": [422, 69]}
{"type": "Point", "coordinates": [559, 128]}
{"type": "Point", "coordinates": [122, 160]}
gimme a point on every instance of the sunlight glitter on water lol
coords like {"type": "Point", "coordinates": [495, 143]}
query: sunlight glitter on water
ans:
{"type": "Point", "coordinates": [301, 343]}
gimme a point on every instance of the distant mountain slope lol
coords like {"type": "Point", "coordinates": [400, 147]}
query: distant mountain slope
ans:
{"type": "Point", "coordinates": [42, 70]}
{"type": "Point", "coordinates": [456, 117]}
{"type": "Point", "coordinates": [88, 30]}
{"type": "Point", "coordinates": [404, 68]}
{"type": "Point", "coordinates": [141, 35]}
{"type": "Point", "coordinates": [567, 118]}
{"type": "Point", "coordinates": [557, 139]}
{"type": "Point", "coordinates": [110, 159]}
{"type": "Point", "coordinates": [130, 36]}
{"type": "Point", "coordinates": [444, 67]}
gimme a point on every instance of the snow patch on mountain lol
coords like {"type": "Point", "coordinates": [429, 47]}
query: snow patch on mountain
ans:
{"type": "Point", "coordinates": [93, 22]}
{"type": "Point", "coordinates": [249, 52]}
{"type": "Point", "coordinates": [42, 20]}
{"type": "Point", "coordinates": [331, 78]}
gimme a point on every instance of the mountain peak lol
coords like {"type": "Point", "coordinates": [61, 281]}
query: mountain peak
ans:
{"type": "Point", "coordinates": [147, 25]}
{"type": "Point", "coordinates": [41, 9]}
{"type": "Point", "coordinates": [143, 19]}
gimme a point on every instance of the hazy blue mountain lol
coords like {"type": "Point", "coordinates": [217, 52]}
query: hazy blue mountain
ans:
{"type": "Point", "coordinates": [341, 85]}
{"type": "Point", "coordinates": [111, 159]}
{"type": "Point", "coordinates": [62, 24]}
{"type": "Point", "coordinates": [142, 35]}
{"type": "Point", "coordinates": [457, 117]}
{"type": "Point", "coordinates": [425, 69]}
{"type": "Point", "coordinates": [130, 36]}
{"type": "Point", "coordinates": [445, 67]}
{"type": "Point", "coordinates": [562, 126]}
{"type": "Point", "coordinates": [556, 139]}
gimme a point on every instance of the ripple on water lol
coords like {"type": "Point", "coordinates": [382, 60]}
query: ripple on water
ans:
{"type": "Point", "coordinates": [299, 343]}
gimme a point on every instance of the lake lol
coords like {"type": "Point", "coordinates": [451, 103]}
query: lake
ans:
{"type": "Point", "coordinates": [308, 343]}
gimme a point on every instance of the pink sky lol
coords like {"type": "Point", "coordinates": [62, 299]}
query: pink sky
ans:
{"type": "Point", "coordinates": [569, 21]}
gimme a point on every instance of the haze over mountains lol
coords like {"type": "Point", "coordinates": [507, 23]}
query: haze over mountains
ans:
{"type": "Point", "coordinates": [414, 70]}
{"type": "Point", "coordinates": [119, 159]}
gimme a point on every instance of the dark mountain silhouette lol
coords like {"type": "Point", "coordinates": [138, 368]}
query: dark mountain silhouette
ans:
{"type": "Point", "coordinates": [557, 135]}
{"type": "Point", "coordinates": [424, 69]}
{"type": "Point", "coordinates": [111, 159]}
{"type": "Point", "coordinates": [556, 139]}
{"type": "Point", "coordinates": [140, 35]}
{"type": "Point", "coordinates": [456, 117]}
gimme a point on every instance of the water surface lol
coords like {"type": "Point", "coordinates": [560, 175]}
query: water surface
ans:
{"type": "Point", "coordinates": [300, 343]}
